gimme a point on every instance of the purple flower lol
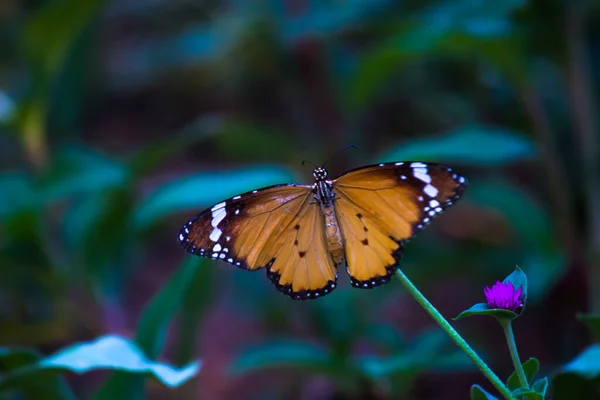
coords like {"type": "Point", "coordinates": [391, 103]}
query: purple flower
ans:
{"type": "Point", "coordinates": [504, 295]}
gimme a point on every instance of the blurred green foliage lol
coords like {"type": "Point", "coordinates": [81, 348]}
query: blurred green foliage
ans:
{"type": "Point", "coordinates": [121, 119]}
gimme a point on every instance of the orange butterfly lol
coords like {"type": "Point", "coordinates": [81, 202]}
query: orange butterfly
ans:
{"type": "Point", "coordinates": [301, 233]}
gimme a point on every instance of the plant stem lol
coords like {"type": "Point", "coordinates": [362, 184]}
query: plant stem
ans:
{"type": "Point", "coordinates": [514, 353]}
{"type": "Point", "coordinates": [454, 335]}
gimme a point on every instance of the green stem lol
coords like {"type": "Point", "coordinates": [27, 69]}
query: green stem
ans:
{"type": "Point", "coordinates": [454, 335]}
{"type": "Point", "coordinates": [514, 353]}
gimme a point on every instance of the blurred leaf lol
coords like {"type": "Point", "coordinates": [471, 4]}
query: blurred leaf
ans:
{"type": "Point", "coordinates": [107, 352]}
{"type": "Point", "coordinates": [152, 328]}
{"type": "Point", "coordinates": [479, 31]}
{"type": "Point", "coordinates": [151, 155]}
{"type": "Point", "coordinates": [281, 354]}
{"type": "Point", "coordinates": [49, 33]}
{"type": "Point", "coordinates": [530, 367]}
{"type": "Point", "coordinates": [580, 378]}
{"type": "Point", "coordinates": [244, 141]}
{"type": "Point", "coordinates": [198, 191]}
{"type": "Point", "coordinates": [16, 193]}
{"type": "Point", "coordinates": [479, 393]}
{"type": "Point", "coordinates": [77, 171]}
{"type": "Point", "coordinates": [592, 321]}
{"type": "Point", "coordinates": [471, 145]}
{"type": "Point", "coordinates": [484, 309]}
{"type": "Point", "coordinates": [543, 261]}
{"type": "Point", "coordinates": [19, 358]}
{"type": "Point", "coordinates": [586, 364]}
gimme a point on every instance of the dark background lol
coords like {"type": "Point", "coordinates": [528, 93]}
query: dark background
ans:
{"type": "Point", "coordinates": [122, 119]}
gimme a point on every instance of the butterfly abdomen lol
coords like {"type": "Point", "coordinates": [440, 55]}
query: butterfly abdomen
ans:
{"type": "Point", "coordinates": [335, 243]}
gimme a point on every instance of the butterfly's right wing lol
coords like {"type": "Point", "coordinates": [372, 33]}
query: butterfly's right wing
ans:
{"type": "Point", "coordinates": [278, 227]}
{"type": "Point", "coordinates": [381, 206]}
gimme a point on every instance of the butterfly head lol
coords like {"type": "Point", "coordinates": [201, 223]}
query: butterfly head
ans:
{"type": "Point", "coordinates": [320, 174]}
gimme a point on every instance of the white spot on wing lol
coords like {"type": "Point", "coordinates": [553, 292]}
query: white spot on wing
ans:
{"type": "Point", "coordinates": [215, 234]}
{"type": "Point", "coordinates": [399, 163]}
{"type": "Point", "coordinates": [221, 256]}
{"type": "Point", "coordinates": [181, 237]}
{"type": "Point", "coordinates": [218, 216]}
{"type": "Point", "coordinates": [237, 212]}
{"type": "Point", "coordinates": [237, 197]}
{"type": "Point", "coordinates": [430, 190]}
{"type": "Point", "coordinates": [418, 165]}
{"type": "Point", "coordinates": [217, 206]}
{"type": "Point", "coordinates": [461, 179]}
{"type": "Point", "coordinates": [217, 247]}
{"type": "Point", "coordinates": [421, 173]}
{"type": "Point", "coordinates": [434, 203]}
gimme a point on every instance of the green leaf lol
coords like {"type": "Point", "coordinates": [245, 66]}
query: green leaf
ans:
{"type": "Point", "coordinates": [540, 386]}
{"type": "Point", "coordinates": [108, 352]}
{"type": "Point", "coordinates": [479, 393]}
{"type": "Point", "coordinates": [580, 378]}
{"type": "Point", "coordinates": [519, 280]}
{"type": "Point", "coordinates": [470, 145]}
{"type": "Point", "coordinates": [530, 367]}
{"type": "Point", "coordinates": [282, 354]}
{"type": "Point", "coordinates": [34, 386]}
{"type": "Point", "coordinates": [201, 190]}
{"type": "Point", "coordinates": [527, 394]}
{"type": "Point", "coordinates": [152, 328]}
{"type": "Point", "coordinates": [54, 27]}
{"type": "Point", "coordinates": [484, 309]}
{"type": "Point", "coordinates": [151, 155]}
{"type": "Point", "coordinates": [593, 323]}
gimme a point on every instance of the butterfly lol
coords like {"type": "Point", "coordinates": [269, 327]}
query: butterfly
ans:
{"type": "Point", "coordinates": [300, 234]}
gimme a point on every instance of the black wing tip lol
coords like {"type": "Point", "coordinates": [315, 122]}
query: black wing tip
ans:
{"type": "Point", "coordinates": [303, 294]}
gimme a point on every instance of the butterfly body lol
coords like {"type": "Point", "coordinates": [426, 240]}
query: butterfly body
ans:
{"type": "Point", "coordinates": [301, 233]}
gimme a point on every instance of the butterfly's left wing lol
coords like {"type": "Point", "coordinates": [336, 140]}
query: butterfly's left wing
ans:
{"type": "Point", "coordinates": [279, 228]}
{"type": "Point", "coordinates": [381, 206]}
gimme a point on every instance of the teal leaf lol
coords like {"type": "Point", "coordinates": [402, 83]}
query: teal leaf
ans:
{"type": "Point", "coordinates": [519, 280]}
{"type": "Point", "coordinates": [580, 378]}
{"type": "Point", "coordinates": [108, 352]}
{"type": "Point", "coordinates": [17, 193]}
{"type": "Point", "coordinates": [77, 171]}
{"type": "Point", "coordinates": [470, 145]}
{"type": "Point", "coordinates": [484, 309]}
{"type": "Point", "coordinates": [592, 321]}
{"type": "Point", "coordinates": [540, 386]}
{"type": "Point", "coordinates": [281, 354]}
{"type": "Point", "coordinates": [530, 367]}
{"type": "Point", "coordinates": [195, 192]}
{"type": "Point", "coordinates": [152, 327]}
{"type": "Point", "coordinates": [586, 364]}
{"type": "Point", "coordinates": [479, 393]}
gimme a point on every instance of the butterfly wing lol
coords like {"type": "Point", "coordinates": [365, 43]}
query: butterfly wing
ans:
{"type": "Point", "coordinates": [379, 207]}
{"type": "Point", "coordinates": [278, 227]}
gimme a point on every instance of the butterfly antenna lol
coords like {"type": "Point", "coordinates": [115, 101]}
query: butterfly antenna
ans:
{"type": "Point", "coordinates": [350, 146]}
{"type": "Point", "coordinates": [308, 162]}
